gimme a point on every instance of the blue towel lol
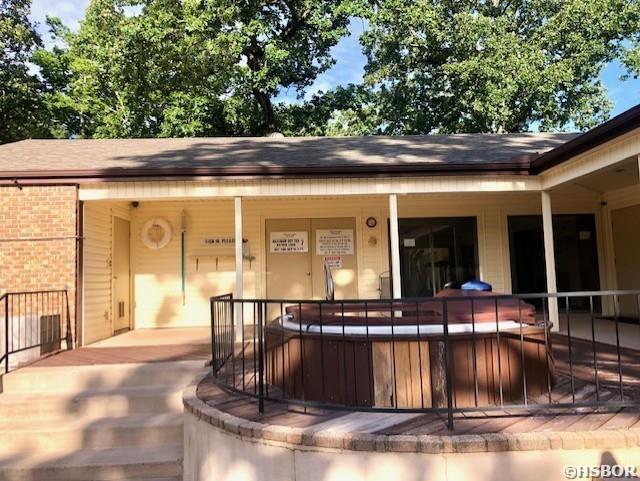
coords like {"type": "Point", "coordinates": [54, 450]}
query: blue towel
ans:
{"type": "Point", "coordinates": [476, 285]}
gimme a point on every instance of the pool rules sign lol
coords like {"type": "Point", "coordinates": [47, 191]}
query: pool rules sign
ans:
{"type": "Point", "coordinates": [334, 242]}
{"type": "Point", "coordinates": [289, 242]}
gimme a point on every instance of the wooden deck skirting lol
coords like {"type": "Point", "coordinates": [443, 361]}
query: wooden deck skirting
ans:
{"type": "Point", "coordinates": [495, 431]}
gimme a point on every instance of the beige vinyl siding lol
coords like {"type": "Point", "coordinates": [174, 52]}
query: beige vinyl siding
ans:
{"type": "Point", "coordinates": [97, 276]}
{"type": "Point", "coordinates": [495, 259]}
{"type": "Point", "coordinates": [327, 186]}
{"type": "Point", "coordinates": [620, 198]}
{"type": "Point", "coordinates": [158, 297]}
{"type": "Point", "coordinates": [156, 273]}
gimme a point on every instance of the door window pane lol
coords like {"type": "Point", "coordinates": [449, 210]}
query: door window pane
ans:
{"type": "Point", "coordinates": [435, 251]}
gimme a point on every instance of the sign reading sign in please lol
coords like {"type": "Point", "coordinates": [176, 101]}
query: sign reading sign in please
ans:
{"type": "Point", "coordinates": [219, 241]}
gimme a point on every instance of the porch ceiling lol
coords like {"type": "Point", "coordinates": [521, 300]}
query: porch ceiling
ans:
{"type": "Point", "coordinates": [617, 176]}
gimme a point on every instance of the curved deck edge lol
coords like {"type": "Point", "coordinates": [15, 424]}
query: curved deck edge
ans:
{"type": "Point", "coordinates": [226, 447]}
{"type": "Point", "coordinates": [306, 438]}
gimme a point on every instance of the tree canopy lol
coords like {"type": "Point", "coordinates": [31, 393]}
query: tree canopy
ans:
{"type": "Point", "coordinates": [167, 68]}
{"type": "Point", "coordinates": [196, 67]}
{"type": "Point", "coordinates": [21, 105]}
{"type": "Point", "coordinates": [494, 65]}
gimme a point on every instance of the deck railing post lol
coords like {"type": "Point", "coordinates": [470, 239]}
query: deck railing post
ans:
{"type": "Point", "coordinates": [213, 337]}
{"type": "Point", "coordinates": [6, 333]}
{"type": "Point", "coordinates": [447, 360]}
{"type": "Point", "coordinates": [68, 333]}
{"type": "Point", "coordinates": [232, 340]}
{"type": "Point", "coordinates": [260, 358]}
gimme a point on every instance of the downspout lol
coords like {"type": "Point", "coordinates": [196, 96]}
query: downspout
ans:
{"type": "Point", "coordinates": [183, 232]}
{"type": "Point", "coordinates": [79, 269]}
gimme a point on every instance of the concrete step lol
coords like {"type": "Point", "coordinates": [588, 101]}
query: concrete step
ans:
{"type": "Point", "coordinates": [137, 430]}
{"type": "Point", "coordinates": [92, 403]}
{"type": "Point", "coordinates": [157, 463]}
{"type": "Point", "coordinates": [104, 376]}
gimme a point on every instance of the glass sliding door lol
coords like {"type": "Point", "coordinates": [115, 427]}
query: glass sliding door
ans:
{"type": "Point", "coordinates": [435, 251]}
{"type": "Point", "coordinates": [576, 252]}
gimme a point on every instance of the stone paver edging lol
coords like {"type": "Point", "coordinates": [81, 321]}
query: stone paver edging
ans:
{"type": "Point", "coordinates": [305, 438]}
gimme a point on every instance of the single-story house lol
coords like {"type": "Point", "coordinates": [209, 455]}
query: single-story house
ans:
{"type": "Point", "coordinates": [142, 232]}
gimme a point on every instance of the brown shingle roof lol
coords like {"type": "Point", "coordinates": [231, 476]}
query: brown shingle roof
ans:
{"type": "Point", "coordinates": [265, 155]}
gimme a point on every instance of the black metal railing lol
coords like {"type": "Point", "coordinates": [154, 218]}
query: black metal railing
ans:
{"type": "Point", "coordinates": [33, 324]}
{"type": "Point", "coordinates": [222, 330]}
{"type": "Point", "coordinates": [452, 354]}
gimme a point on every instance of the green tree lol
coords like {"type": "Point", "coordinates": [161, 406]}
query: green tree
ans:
{"type": "Point", "coordinates": [62, 118]}
{"type": "Point", "coordinates": [144, 75]}
{"type": "Point", "coordinates": [194, 67]}
{"type": "Point", "coordinates": [631, 58]}
{"type": "Point", "coordinates": [494, 65]}
{"type": "Point", "coordinates": [20, 102]}
{"type": "Point", "coordinates": [286, 43]}
{"type": "Point", "coordinates": [343, 111]}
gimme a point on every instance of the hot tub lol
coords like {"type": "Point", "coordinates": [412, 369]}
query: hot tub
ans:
{"type": "Point", "coordinates": [392, 354]}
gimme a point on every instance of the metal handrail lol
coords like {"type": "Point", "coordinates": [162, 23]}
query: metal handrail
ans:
{"type": "Point", "coordinates": [330, 291]}
{"type": "Point", "coordinates": [489, 295]}
{"type": "Point", "coordinates": [34, 320]}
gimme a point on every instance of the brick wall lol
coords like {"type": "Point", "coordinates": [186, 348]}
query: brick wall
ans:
{"type": "Point", "coordinates": [37, 239]}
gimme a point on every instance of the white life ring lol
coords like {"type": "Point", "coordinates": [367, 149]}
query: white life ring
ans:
{"type": "Point", "coordinates": [156, 233]}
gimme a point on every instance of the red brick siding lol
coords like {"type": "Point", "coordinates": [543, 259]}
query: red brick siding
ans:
{"type": "Point", "coordinates": [37, 239]}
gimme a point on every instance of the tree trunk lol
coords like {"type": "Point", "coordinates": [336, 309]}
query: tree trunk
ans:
{"type": "Point", "coordinates": [255, 61]}
{"type": "Point", "coordinates": [269, 124]}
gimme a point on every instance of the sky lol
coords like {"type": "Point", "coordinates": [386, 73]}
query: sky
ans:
{"type": "Point", "coordinates": [350, 61]}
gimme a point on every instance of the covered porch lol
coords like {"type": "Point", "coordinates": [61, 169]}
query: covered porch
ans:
{"type": "Point", "coordinates": [564, 230]}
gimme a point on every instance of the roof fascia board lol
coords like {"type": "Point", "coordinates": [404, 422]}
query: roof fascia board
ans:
{"type": "Point", "coordinates": [594, 138]}
{"type": "Point", "coordinates": [519, 167]}
{"type": "Point", "coordinates": [605, 155]}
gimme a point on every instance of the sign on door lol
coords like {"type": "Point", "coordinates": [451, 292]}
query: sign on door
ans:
{"type": "Point", "coordinates": [288, 242]}
{"type": "Point", "coordinates": [334, 242]}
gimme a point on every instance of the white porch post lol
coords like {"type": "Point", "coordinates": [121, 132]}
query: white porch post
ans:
{"type": "Point", "coordinates": [239, 267]}
{"type": "Point", "coordinates": [550, 258]}
{"type": "Point", "coordinates": [395, 246]}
